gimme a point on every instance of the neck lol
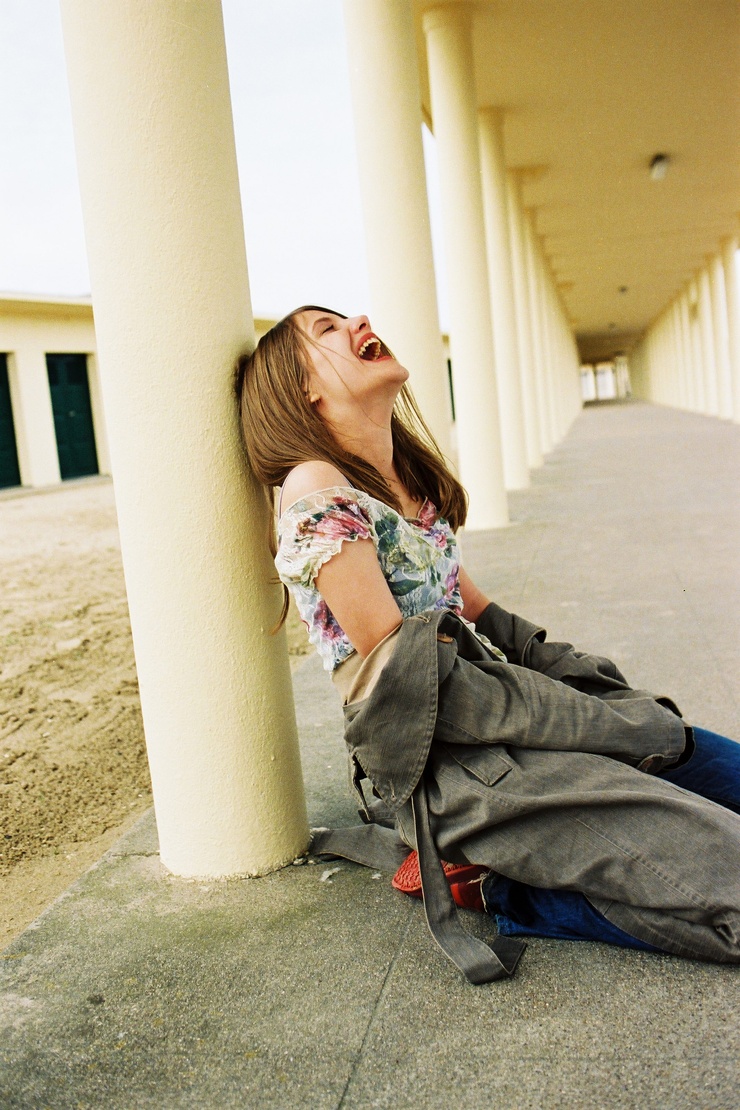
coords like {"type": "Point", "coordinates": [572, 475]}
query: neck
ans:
{"type": "Point", "coordinates": [373, 443]}
{"type": "Point", "coordinates": [370, 437]}
{"type": "Point", "coordinates": [377, 449]}
{"type": "Point", "coordinates": [364, 429]}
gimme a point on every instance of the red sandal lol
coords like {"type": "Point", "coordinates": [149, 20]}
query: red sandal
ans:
{"type": "Point", "coordinates": [464, 880]}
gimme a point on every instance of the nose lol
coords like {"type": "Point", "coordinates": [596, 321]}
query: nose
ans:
{"type": "Point", "coordinates": [357, 324]}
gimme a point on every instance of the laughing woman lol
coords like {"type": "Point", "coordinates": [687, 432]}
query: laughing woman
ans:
{"type": "Point", "coordinates": [591, 810]}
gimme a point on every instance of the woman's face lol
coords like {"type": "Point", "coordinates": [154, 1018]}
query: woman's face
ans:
{"type": "Point", "coordinates": [349, 363]}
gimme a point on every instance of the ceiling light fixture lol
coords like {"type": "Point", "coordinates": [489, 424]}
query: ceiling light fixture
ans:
{"type": "Point", "coordinates": [659, 167]}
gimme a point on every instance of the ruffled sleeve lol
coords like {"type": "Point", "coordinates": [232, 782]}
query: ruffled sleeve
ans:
{"type": "Point", "coordinates": [314, 529]}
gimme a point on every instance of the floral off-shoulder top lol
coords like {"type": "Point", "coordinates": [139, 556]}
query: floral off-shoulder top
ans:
{"type": "Point", "coordinates": [419, 558]}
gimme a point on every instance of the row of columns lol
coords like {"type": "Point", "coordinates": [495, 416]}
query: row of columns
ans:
{"type": "Point", "coordinates": [515, 365]}
{"type": "Point", "coordinates": [690, 357]}
{"type": "Point", "coordinates": [168, 270]}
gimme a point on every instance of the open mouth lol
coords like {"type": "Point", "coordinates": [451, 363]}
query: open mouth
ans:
{"type": "Point", "coordinates": [373, 349]}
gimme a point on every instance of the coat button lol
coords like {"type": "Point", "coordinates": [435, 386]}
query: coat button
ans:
{"type": "Point", "coordinates": [651, 764]}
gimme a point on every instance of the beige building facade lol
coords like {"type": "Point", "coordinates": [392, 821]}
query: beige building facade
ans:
{"type": "Point", "coordinates": [51, 411]}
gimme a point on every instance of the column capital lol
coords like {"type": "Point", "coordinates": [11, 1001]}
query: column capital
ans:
{"type": "Point", "coordinates": [494, 112]}
{"type": "Point", "coordinates": [530, 174]}
{"type": "Point", "coordinates": [446, 15]}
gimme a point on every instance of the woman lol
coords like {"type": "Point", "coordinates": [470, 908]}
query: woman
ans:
{"type": "Point", "coordinates": [536, 762]}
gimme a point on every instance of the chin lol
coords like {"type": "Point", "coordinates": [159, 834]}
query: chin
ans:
{"type": "Point", "coordinates": [399, 372]}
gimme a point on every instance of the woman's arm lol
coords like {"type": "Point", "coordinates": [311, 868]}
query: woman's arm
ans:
{"type": "Point", "coordinates": [352, 585]}
{"type": "Point", "coordinates": [351, 582]}
{"type": "Point", "coordinates": [474, 600]}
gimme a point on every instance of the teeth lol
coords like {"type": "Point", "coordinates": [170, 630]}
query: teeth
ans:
{"type": "Point", "coordinates": [372, 341]}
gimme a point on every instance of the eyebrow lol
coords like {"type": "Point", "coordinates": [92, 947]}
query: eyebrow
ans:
{"type": "Point", "coordinates": [320, 320]}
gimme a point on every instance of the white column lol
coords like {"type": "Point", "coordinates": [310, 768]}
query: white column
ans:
{"type": "Point", "coordinates": [381, 47]}
{"type": "Point", "coordinates": [547, 348]}
{"type": "Point", "coordinates": [538, 340]}
{"type": "Point", "coordinates": [523, 321]}
{"type": "Point", "coordinates": [573, 362]}
{"type": "Point", "coordinates": [646, 375]}
{"type": "Point", "coordinates": [454, 112]}
{"type": "Point", "coordinates": [675, 358]}
{"type": "Point", "coordinates": [36, 441]}
{"type": "Point", "coordinates": [575, 356]}
{"type": "Point", "coordinates": [732, 294]}
{"type": "Point", "coordinates": [621, 374]}
{"type": "Point", "coordinates": [684, 351]}
{"type": "Point", "coordinates": [98, 415]}
{"type": "Point", "coordinates": [697, 352]}
{"type": "Point", "coordinates": [666, 362]}
{"type": "Point", "coordinates": [656, 358]}
{"type": "Point", "coordinates": [720, 335]}
{"type": "Point", "coordinates": [565, 362]}
{"type": "Point", "coordinates": [556, 365]}
{"type": "Point", "coordinates": [671, 361]}
{"type": "Point", "coordinates": [656, 365]}
{"type": "Point", "coordinates": [636, 369]}
{"type": "Point", "coordinates": [503, 310]}
{"type": "Point", "coordinates": [687, 351]}
{"type": "Point", "coordinates": [709, 358]}
{"type": "Point", "coordinates": [155, 149]}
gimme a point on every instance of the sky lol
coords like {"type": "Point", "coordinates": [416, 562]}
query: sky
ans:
{"type": "Point", "coordinates": [295, 148]}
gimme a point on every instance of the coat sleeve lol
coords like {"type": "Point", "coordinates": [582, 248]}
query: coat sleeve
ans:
{"type": "Point", "coordinates": [493, 702]}
{"type": "Point", "coordinates": [526, 645]}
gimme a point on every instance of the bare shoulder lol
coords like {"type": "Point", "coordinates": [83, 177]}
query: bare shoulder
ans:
{"type": "Point", "coordinates": [308, 477]}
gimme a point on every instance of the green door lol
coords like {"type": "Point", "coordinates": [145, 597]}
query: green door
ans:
{"type": "Point", "coordinates": [10, 475]}
{"type": "Point", "coordinates": [73, 423]}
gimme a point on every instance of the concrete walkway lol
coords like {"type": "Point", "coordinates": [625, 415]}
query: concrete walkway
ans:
{"type": "Point", "coordinates": [306, 989]}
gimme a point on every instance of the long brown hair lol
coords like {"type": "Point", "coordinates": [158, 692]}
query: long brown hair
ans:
{"type": "Point", "coordinates": [282, 429]}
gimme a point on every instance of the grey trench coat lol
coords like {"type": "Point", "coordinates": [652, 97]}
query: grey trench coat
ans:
{"type": "Point", "coordinates": [543, 769]}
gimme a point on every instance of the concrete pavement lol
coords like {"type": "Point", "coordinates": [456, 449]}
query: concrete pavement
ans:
{"type": "Point", "coordinates": [325, 990]}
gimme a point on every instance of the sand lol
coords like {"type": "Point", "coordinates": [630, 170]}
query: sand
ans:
{"type": "Point", "coordinates": [73, 768]}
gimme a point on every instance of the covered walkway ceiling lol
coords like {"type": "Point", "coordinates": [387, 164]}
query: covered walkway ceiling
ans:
{"type": "Point", "coordinates": [592, 90]}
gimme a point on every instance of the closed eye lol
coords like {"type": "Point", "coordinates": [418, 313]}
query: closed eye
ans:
{"type": "Point", "coordinates": [322, 325]}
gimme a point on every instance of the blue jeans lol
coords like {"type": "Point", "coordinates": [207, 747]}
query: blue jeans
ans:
{"type": "Point", "coordinates": [713, 771]}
